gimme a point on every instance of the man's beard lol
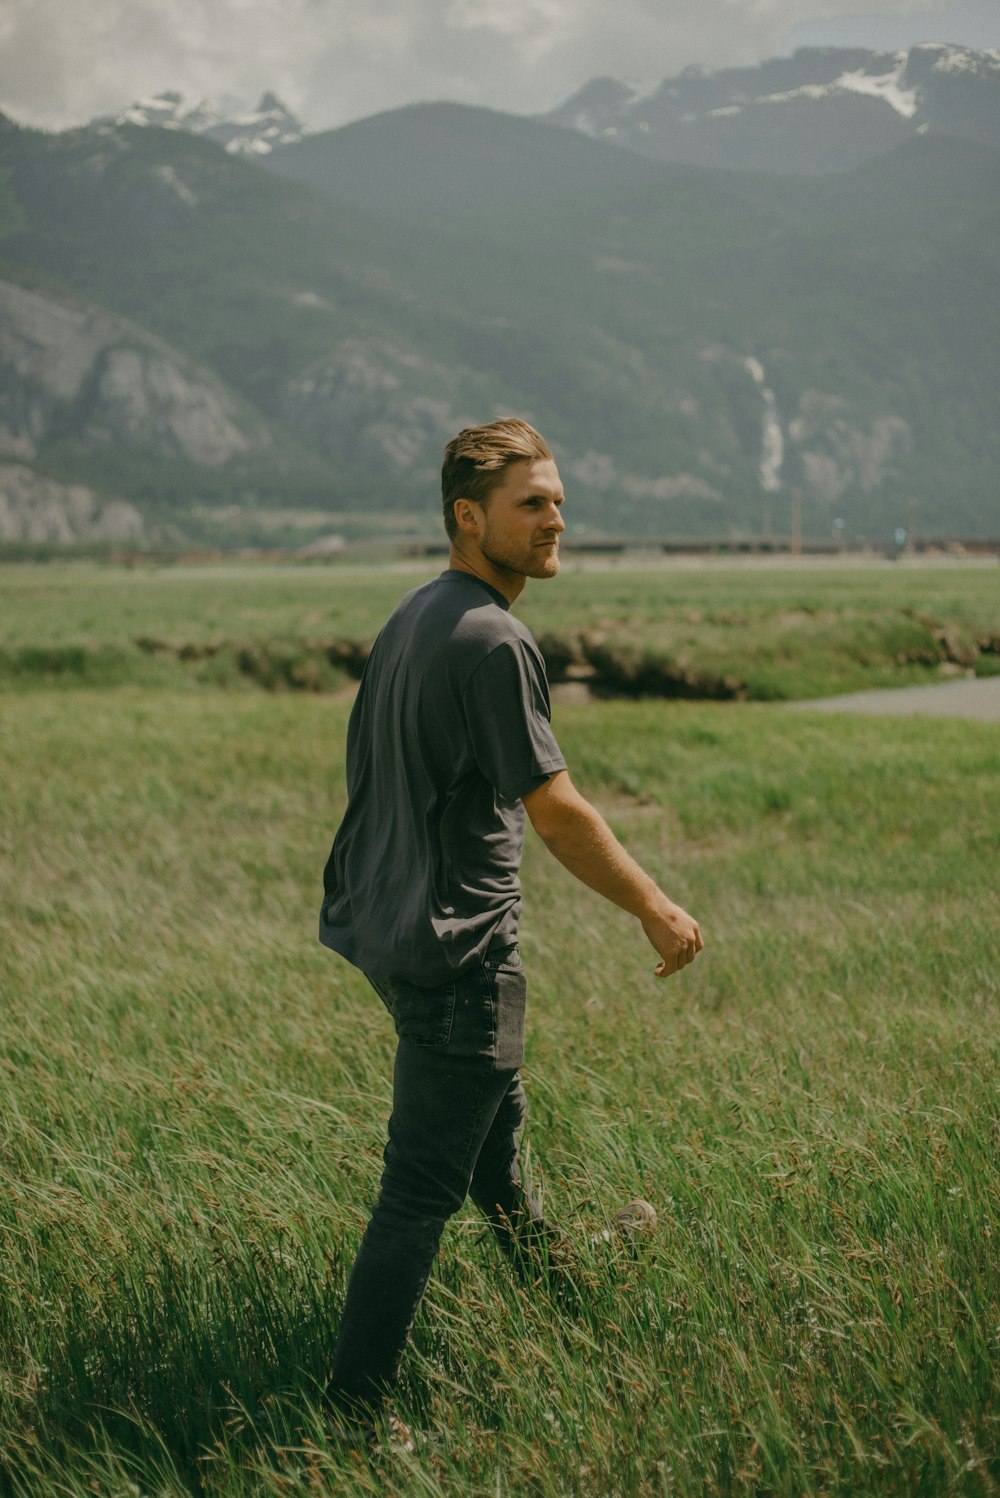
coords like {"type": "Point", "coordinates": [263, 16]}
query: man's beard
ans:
{"type": "Point", "coordinates": [526, 561]}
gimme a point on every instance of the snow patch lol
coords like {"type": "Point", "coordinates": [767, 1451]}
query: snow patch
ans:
{"type": "Point", "coordinates": [248, 145]}
{"type": "Point", "coordinates": [962, 59]}
{"type": "Point", "coordinates": [139, 115]}
{"type": "Point", "coordinates": [168, 176]}
{"type": "Point", "coordinates": [885, 86]}
{"type": "Point", "coordinates": [642, 88]}
{"type": "Point", "coordinates": [168, 100]}
{"type": "Point", "coordinates": [169, 111]}
{"type": "Point", "coordinates": [804, 91]}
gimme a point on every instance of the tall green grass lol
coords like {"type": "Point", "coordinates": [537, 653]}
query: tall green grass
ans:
{"type": "Point", "coordinates": [195, 1095]}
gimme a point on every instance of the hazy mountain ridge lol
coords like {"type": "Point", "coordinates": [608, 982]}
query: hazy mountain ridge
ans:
{"type": "Point", "coordinates": [694, 343]}
{"type": "Point", "coordinates": [263, 281]}
{"type": "Point", "coordinates": [834, 287]}
{"type": "Point", "coordinates": [824, 109]}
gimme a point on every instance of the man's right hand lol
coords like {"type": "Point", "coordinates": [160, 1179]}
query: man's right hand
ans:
{"type": "Point", "coordinates": [675, 935]}
{"type": "Point", "coordinates": [577, 834]}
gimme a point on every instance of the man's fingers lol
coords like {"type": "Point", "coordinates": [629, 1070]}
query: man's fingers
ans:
{"type": "Point", "coordinates": [681, 958]}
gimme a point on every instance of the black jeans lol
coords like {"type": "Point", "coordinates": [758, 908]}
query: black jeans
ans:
{"type": "Point", "coordinates": [457, 1107]}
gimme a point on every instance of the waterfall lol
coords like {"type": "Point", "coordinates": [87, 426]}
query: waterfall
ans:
{"type": "Point", "coordinates": [772, 445]}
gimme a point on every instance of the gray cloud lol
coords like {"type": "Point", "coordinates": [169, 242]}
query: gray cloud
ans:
{"type": "Point", "coordinates": [63, 61]}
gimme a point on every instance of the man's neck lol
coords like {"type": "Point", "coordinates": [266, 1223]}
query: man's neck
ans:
{"type": "Point", "coordinates": [510, 584]}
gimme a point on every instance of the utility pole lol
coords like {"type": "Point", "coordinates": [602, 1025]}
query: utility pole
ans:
{"type": "Point", "coordinates": [911, 527]}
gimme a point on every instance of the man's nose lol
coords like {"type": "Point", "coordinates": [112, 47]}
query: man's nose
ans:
{"type": "Point", "coordinates": [554, 521]}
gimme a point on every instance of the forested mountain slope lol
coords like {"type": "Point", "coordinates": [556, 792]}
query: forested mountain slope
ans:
{"type": "Point", "coordinates": [695, 342]}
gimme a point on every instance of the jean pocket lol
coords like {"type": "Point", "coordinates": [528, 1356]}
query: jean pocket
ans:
{"type": "Point", "coordinates": [423, 1016]}
{"type": "Point", "coordinates": [510, 989]}
{"type": "Point", "coordinates": [503, 957]}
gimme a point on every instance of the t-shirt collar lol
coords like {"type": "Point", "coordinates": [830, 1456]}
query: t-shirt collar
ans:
{"type": "Point", "coordinates": [470, 577]}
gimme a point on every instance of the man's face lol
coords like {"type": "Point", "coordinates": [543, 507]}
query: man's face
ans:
{"type": "Point", "coordinates": [520, 522]}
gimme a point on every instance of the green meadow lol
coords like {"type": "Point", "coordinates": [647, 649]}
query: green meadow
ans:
{"type": "Point", "coordinates": [765, 633]}
{"type": "Point", "coordinates": [194, 1092]}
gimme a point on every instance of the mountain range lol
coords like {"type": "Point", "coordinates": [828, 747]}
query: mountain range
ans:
{"type": "Point", "coordinates": [199, 337]}
{"type": "Point", "coordinates": [824, 109]}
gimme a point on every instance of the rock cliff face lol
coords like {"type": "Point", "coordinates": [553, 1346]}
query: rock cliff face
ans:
{"type": "Point", "coordinates": [377, 402]}
{"type": "Point", "coordinates": [73, 370]}
{"type": "Point", "coordinates": [33, 508]}
{"type": "Point", "coordinates": [837, 451]}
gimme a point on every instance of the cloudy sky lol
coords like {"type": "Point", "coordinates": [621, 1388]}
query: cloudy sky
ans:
{"type": "Point", "coordinates": [63, 61]}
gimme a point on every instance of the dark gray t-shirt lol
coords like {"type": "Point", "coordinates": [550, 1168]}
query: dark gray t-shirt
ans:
{"type": "Point", "coordinates": [450, 728]}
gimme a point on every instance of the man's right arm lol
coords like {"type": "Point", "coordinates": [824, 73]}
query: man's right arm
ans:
{"type": "Point", "coordinates": [577, 834]}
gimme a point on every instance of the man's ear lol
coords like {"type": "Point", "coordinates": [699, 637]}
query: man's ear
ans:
{"type": "Point", "coordinates": [467, 516]}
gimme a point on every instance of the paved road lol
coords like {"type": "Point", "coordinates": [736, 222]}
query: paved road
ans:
{"type": "Point", "coordinates": [967, 698]}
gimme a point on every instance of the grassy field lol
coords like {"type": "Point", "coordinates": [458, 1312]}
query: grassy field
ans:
{"type": "Point", "coordinates": [715, 631]}
{"type": "Point", "coordinates": [195, 1092]}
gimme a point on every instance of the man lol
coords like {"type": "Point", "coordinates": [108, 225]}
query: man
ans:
{"type": "Point", "coordinates": [449, 744]}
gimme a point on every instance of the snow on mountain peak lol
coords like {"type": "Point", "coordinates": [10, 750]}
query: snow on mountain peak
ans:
{"type": "Point", "coordinates": [886, 86]}
{"type": "Point", "coordinates": [168, 111]}
{"type": "Point", "coordinates": [762, 117]}
{"type": "Point", "coordinates": [642, 88]}
{"type": "Point", "coordinates": [251, 132]}
{"type": "Point", "coordinates": [953, 59]}
{"type": "Point", "coordinates": [258, 132]}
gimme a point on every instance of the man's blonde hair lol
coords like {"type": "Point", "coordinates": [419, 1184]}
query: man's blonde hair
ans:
{"type": "Point", "coordinates": [475, 460]}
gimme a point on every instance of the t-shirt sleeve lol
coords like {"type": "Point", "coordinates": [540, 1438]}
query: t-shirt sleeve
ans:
{"type": "Point", "coordinates": [508, 713]}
